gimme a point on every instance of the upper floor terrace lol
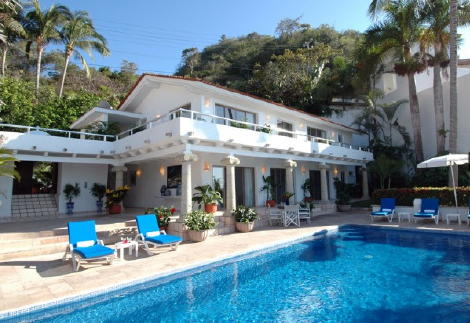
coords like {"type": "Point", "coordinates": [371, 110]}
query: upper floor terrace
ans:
{"type": "Point", "coordinates": [175, 129]}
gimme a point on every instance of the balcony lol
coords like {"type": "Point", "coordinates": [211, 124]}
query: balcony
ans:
{"type": "Point", "coordinates": [177, 127]}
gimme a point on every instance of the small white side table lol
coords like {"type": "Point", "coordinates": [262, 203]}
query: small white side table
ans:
{"type": "Point", "coordinates": [404, 215]}
{"type": "Point", "coordinates": [454, 216]}
{"type": "Point", "coordinates": [121, 246]}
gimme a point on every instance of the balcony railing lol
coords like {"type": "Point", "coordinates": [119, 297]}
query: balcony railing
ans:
{"type": "Point", "coordinates": [56, 132]}
{"type": "Point", "coordinates": [180, 113]}
{"type": "Point", "coordinates": [204, 117]}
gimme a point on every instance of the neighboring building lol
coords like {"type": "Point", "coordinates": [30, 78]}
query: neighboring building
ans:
{"type": "Point", "coordinates": [183, 133]}
{"type": "Point", "coordinates": [396, 88]}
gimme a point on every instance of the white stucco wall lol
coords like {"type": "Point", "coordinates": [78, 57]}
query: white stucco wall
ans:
{"type": "Point", "coordinates": [85, 175]}
{"type": "Point", "coordinates": [6, 190]}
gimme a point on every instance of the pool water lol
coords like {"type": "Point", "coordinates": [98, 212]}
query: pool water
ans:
{"type": "Point", "coordinates": [358, 274]}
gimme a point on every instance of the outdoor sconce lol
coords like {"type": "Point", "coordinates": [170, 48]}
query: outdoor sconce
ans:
{"type": "Point", "coordinates": [207, 102]}
{"type": "Point", "coordinates": [138, 172]}
{"type": "Point", "coordinates": [162, 170]}
{"type": "Point", "coordinates": [303, 170]}
{"type": "Point", "coordinates": [206, 167]}
{"type": "Point", "coordinates": [157, 116]}
{"type": "Point", "coordinates": [336, 171]}
{"type": "Point", "coordinates": [301, 126]}
{"type": "Point", "coordinates": [34, 148]}
{"type": "Point", "coordinates": [263, 170]}
{"type": "Point", "coordinates": [64, 150]}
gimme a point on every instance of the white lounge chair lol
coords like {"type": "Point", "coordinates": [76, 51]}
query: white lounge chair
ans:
{"type": "Point", "coordinates": [304, 214]}
{"type": "Point", "coordinates": [274, 215]}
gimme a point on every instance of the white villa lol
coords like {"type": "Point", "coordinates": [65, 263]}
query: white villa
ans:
{"type": "Point", "coordinates": [182, 133]}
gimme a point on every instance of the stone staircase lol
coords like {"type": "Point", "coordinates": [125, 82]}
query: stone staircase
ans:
{"type": "Point", "coordinates": [33, 206]}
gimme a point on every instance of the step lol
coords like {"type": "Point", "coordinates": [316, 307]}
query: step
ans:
{"type": "Point", "coordinates": [14, 253]}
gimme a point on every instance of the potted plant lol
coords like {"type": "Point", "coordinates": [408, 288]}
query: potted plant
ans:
{"type": "Point", "coordinates": [309, 202]}
{"type": "Point", "coordinates": [343, 201]}
{"type": "Point", "coordinates": [286, 197]}
{"type": "Point", "coordinates": [114, 199]}
{"type": "Point", "coordinates": [198, 224]}
{"type": "Point", "coordinates": [244, 218]}
{"type": "Point", "coordinates": [269, 188]}
{"type": "Point", "coordinates": [70, 192]}
{"type": "Point", "coordinates": [343, 196]}
{"type": "Point", "coordinates": [163, 215]}
{"type": "Point", "coordinates": [208, 197]}
{"type": "Point", "coordinates": [98, 191]}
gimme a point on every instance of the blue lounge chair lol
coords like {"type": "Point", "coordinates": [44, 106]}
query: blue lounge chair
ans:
{"type": "Point", "coordinates": [387, 209]}
{"type": "Point", "coordinates": [429, 210]}
{"type": "Point", "coordinates": [84, 244]}
{"type": "Point", "coordinates": [150, 233]}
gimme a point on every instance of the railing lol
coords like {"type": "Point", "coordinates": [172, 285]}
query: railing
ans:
{"type": "Point", "coordinates": [56, 132]}
{"type": "Point", "coordinates": [204, 117]}
{"type": "Point", "coordinates": [180, 113]}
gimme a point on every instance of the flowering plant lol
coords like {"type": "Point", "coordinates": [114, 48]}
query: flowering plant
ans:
{"type": "Point", "coordinates": [116, 196]}
{"type": "Point", "coordinates": [163, 214]}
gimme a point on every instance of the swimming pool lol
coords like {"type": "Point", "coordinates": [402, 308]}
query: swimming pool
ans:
{"type": "Point", "coordinates": [355, 274]}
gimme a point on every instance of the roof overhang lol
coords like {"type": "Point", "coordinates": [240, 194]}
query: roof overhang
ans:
{"type": "Point", "coordinates": [101, 114]}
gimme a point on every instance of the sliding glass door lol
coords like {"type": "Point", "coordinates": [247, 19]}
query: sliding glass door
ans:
{"type": "Point", "coordinates": [245, 186]}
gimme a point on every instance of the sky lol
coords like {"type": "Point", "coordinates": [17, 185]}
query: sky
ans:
{"type": "Point", "coordinates": [152, 33]}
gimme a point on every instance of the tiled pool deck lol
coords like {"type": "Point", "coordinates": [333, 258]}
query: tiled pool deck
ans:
{"type": "Point", "coordinates": [40, 279]}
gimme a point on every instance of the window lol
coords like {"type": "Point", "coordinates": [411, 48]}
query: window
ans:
{"type": "Point", "coordinates": [245, 186]}
{"type": "Point", "coordinates": [173, 177]}
{"type": "Point", "coordinates": [340, 138]}
{"type": "Point", "coordinates": [278, 176]}
{"type": "Point", "coordinates": [234, 114]}
{"type": "Point", "coordinates": [286, 126]}
{"type": "Point", "coordinates": [315, 132]}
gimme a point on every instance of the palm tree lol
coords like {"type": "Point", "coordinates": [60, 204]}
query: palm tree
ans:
{"type": "Point", "coordinates": [42, 28]}
{"type": "Point", "coordinates": [78, 32]}
{"type": "Point", "coordinates": [6, 163]}
{"type": "Point", "coordinates": [436, 35]}
{"type": "Point", "coordinates": [389, 115]}
{"type": "Point", "coordinates": [10, 28]}
{"type": "Point", "coordinates": [453, 76]}
{"type": "Point", "coordinates": [395, 37]}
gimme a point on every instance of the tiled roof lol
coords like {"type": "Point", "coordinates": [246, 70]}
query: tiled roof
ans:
{"type": "Point", "coordinates": [230, 90]}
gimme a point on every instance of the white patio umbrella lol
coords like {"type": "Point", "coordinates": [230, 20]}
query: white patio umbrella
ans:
{"type": "Point", "coordinates": [446, 161]}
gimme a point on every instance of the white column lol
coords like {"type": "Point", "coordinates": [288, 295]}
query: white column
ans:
{"type": "Point", "coordinates": [231, 199]}
{"type": "Point", "coordinates": [323, 183]}
{"type": "Point", "coordinates": [119, 170]}
{"type": "Point", "coordinates": [365, 184]}
{"type": "Point", "coordinates": [186, 190]}
{"type": "Point", "coordinates": [290, 173]}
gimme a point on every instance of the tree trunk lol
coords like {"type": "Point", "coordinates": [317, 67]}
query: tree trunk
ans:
{"type": "Point", "coordinates": [4, 60]}
{"type": "Point", "coordinates": [415, 117]}
{"type": "Point", "coordinates": [64, 73]}
{"type": "Point", "coordinates": [439, 109]}
{"type": "Point", "coordinates": [38, 68]}
{"type": "Point", "coordinates": [453, 77]}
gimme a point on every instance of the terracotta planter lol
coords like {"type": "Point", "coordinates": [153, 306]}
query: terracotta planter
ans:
{"type": "Point", "coordinates": [344, 208]}
{"type": "Point", "coordinates": [271, 203]}
{"type": "Point", "coordinates": [114, 209]}
{"type": "Point", "coordinates": [244, 226]}
{"type": "Point", "coordinates": [210, 208]}
{"type": "Point", "coordinates": [198, 236]}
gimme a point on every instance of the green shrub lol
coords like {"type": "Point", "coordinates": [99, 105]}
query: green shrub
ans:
{"type": "Point", "coordinates": [244, 214]}
{"type": "Point", "coordinates": [199, 221]}
{"type": "Point", "coordinates": [405, 196]}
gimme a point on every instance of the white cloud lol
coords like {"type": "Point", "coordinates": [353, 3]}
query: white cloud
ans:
{"type": "Point", "coordinates": [464, 50]}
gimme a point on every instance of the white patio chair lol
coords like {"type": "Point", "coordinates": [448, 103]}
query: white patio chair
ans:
{"type": "Point", "coordinates": [304, 214]}
{"type": "Point", "coordinates": [291, 215]}
{"type": "Point", "coordinates": [274, 215]}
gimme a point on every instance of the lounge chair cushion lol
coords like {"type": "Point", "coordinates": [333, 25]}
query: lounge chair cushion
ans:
{"type": "Point", "coordinates": [164, 239]}
{"type": "Point", "coordinates": [429, 211]}
{"type": "Point", "coordinates": [424, 215]}
{"type": "Point", "coordinates": [94, 251]}
{"type": "Point", "coordinates": [381, 213]}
